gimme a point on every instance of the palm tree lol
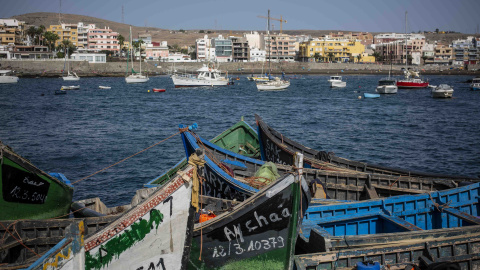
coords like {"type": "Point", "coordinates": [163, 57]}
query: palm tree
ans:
{"type": "Point", "coordinates": [316, 56]}
{"type": "Point", "coordinates": [359, 57]}
{"type": "Point", "coordinates": [40, 33]}
{"type": "Point", "coordinates": [51, 38]}
{"type": "Point", "coordinates": [121, 41]}
{"type": "Point", "coordinates": [330, 56]}
{"type": "Point", "coordinates": [31, 32]}
{"type": "Point", "coordinates": [67, 46]}
{"type": "Point", "coordinates": [376, 55]}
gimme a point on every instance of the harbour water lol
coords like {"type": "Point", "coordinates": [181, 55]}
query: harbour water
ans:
{"type": "Point", "coordinates": [89, 129]}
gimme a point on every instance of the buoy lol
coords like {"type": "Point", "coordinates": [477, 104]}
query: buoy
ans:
{"type": "Point", "coordinates": [148, 90]}
{"type": "Point", "coordinates": [359, 97]}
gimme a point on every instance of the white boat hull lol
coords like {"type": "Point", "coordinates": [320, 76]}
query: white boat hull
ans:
{"type": "Point", "coordinates": [273, 85]}
{"type": "Point", "coordinates": [72, 78]}
{"type": "Point", "coordinates": [153, 233]}
{"type": "Point", "coordinates": [181, 81]}
{"type": "Point", "coordinates": [136, 79]}
{"type": "Point", "coordinates": [442, 93]}
{"type": "Point", "coordinates": [338, 84]}
{"type": "Point", "coordinates": [8, 79]}
{"type": "Point", "coordinates": [387, 89]}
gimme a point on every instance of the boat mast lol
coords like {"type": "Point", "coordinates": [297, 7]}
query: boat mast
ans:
{"type": "Point", "coordinates": [406, 47]}
{"type": "Point", "coordinates": [269, 44]}
{"type": "Point", "coordinates": [131, 46]}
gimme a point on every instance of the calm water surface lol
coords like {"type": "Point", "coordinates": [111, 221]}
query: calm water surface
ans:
{"type": "Point", "coordinates": [89, 129]}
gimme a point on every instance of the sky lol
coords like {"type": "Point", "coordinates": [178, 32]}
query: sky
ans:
{"type": "Point", "coordinates": [352, 15]}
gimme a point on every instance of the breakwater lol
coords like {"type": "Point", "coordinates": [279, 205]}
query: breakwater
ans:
{"type": "Point", "coordinates": [52, 68]}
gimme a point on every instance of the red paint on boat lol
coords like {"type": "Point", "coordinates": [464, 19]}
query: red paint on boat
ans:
{"type": "Point", "coordinates": [158, 90]}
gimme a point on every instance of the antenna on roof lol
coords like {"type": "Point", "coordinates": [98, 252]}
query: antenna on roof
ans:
{"type": "Point", "coordinates": [123, 21]}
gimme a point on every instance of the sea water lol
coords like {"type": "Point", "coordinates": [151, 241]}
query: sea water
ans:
{"type": "Point", "coordinates": [87, 130]}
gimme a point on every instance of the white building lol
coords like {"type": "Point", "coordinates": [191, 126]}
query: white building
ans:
{"type": "Point", "coordinates": [255, 40]}
{"type": "Point", "coordinates": [204, 49]}
{"type": "Point", "coordinates": [90, 57]}
{"type": "Point", "coordinates": [257, 55]}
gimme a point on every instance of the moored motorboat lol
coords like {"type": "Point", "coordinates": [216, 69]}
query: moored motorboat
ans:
{"type": "Point", "coordinates": [29, 193]}
{"type": "Point", "coordinates": [6, 76]}
{"type": "Point", "coordinates": [105, 87]}
{"type": "Point", "coordinates": [70, 87]}
{"type": "Point", "coordinates": [207, 75]}
{"type": "Point", "coordinates": [336, 82]}
{"type": "Point", "coordinates": [442, 91]}
{"type": "Point", "coordinates": [475, 85]}
{"type": "Point", "coordinates": [387, 86]}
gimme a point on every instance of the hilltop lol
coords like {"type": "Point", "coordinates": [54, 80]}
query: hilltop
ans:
{"type": "Point", "coordinates": [187, 38]}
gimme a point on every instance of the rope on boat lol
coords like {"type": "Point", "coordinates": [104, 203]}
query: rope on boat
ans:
{"type": "Point", "coordinates": [86, 177]}
{"type": "Point", "coordinates": [18, 240]}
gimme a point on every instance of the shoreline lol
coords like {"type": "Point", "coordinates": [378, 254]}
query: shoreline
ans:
{"type": "Point", "coordinates": [55, 69]}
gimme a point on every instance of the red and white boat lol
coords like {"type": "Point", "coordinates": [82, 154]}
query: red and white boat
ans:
{"type": "Point", "coordinates": [412, 80]}
{"type": "Point", "coordinates": [158, 90]}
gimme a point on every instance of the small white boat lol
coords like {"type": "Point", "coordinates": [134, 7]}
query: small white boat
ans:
{"type": "Point", "coordinates": [336, 82]}
{"type": "Point", "coordinates": [259, 78]}
{"type": "Point", "coordinates": [475, 86]}
{"type": "Point", "coordinates": [6, 76]}
{"type": "Point", "coordinates": [136, 78]}
{"type": "Point", "coordinates": [104, 87]}
{"type": "Point", "coordinates": [387, 86]}
{"type": "Point", "coordinates": [71, 77]}
{"type": "Point", "coordinates": [276, 84]}
{"type": "Point", "coordinates": [442, 91]}
{"type": "Point", "coordinates": [70, 87]}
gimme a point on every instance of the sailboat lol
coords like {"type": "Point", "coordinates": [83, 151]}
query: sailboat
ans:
{"type": "Point", "coordinates": [387, 85]}
{"type": "Point", "coordinates": [274, 83]}
{"type": "Point", "coordinates": [412, 78]}
{"type": "Point", "coordinates": [71, 76]}
{"type": "Point", "coordinates": [135, 77]}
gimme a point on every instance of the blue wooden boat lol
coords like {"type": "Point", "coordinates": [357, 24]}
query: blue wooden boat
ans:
{"type": "Point", "coordinates": [390, 220]}
{"type": "Point", "coordinates": [280, 149]}
{"type": "Point", "coordinates": [461, 250]}
{"type": "Point", "coordinates": [231, 176]}
{"type": "Point", "coordinates": [370, 95]}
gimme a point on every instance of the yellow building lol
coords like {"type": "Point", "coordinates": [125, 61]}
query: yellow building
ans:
{"type": "Point", "coordinates": [12, 31]}
{"type": "Point", "coordinates": [334, 50]}
{"type": "Point", "coordinates": [65, 32]}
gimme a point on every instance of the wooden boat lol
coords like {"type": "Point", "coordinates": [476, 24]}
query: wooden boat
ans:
{"type": "Point", "coordinates": [279, 149]}
{"type": "Point", "coordinates": [29, 193]}
{"type": "Point", "coordinates": [105, 87]}
{"type": "Point", "coordinates": [240, 138]}
{"type": "Point", "coordinates": [458, 250]}
{"type": "Point", "coordinates": [155, 230]}
{"type": "Point", "coordinates": [232, 176]}
{"type": "Point", "coordinates": [259, 232]}
{"type": "Point", "coordinates": [370, 95]}
{"type": "Point", "coordinates": [390, 220]}
{"type": "Point", "coordinates": [158, 90]}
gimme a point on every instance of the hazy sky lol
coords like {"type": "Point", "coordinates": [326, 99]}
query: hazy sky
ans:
{"type": "Point", "coordinates": [356, 15]}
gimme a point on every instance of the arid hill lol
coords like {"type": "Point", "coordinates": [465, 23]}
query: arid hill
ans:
{"type": "Point", "coordinates": [174, 36]}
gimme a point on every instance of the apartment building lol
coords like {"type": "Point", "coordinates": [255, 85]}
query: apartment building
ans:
{"type": "Point", "coordinates": [65, 31]}
{"type": "Point", "coordinates": [204, 49]}
{"type": "Point", "coordinates": [223, 49]}
{"type": "Point", "coordinates": [12, 32]}
{"type": "Point", "coordinates": [241, 50]}
{"type": "Point", "coordinates": [103, 39]}
{"type": "Point", "coordinates": [280, 47]}
{"type": "Point", "coordinates": [443, 55]}
{"type": "Point", "coordinates": [341, 50]}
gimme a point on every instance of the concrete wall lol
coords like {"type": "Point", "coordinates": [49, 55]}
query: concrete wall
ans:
{"type": "Point", "coordinates": [83, 68]}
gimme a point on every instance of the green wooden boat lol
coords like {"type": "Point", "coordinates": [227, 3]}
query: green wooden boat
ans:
{"type": "Point", "coordinates": [26, 192]}
{"type": "Point", "coordinates": [241, 138]}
